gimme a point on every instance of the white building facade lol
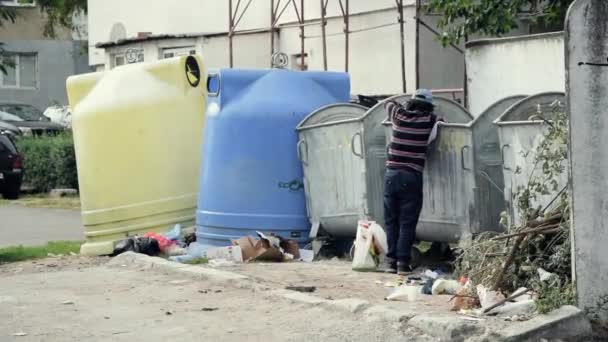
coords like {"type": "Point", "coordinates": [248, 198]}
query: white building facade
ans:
{"type": "Point", "coordinates": [154, 29]}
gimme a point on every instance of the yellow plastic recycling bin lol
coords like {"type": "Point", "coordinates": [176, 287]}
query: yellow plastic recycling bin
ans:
{"type": "Point", "coordinates": [137, 135]}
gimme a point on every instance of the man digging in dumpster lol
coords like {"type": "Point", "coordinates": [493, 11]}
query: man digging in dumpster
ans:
{"type": "Point", "coordinates": [414, 128]}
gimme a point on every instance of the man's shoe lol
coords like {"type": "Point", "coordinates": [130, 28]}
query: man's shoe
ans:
{"type": "Point", "coordinates": [404, 269]}
{"type": "Point", "coordinates": [387, 266]}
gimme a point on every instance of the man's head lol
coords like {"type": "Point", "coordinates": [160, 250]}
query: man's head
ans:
{"type": "Point", "coordinates": [421, 101]}
{"type": "Point", "coordinates": [424, 95]}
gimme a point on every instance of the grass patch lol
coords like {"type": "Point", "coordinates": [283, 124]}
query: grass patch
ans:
{"type": "Point", "coordinates": [197, 261]}
{"type": "Point", "coordinates": [20, 253]}
{"type": "Point", "coordinates": [44, 201]}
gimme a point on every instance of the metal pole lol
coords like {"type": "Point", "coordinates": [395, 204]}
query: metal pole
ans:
{"type": "Point", "coordinates": [465, 100]}
{"type": "Point", "coordinates": [346, 31]}
{"type": "Point", "coordinates": [272, 15]}
{"type": "Point", "coordinates": [323, 35]}
{"type": "Point", "coordinates": [403, 79]}
{"type": "Point", "coordinates": [417, 44]}
{"type": "Point", "coordinates": [303, 58]}
{"type": "Point", "coordinates": [230, 32]}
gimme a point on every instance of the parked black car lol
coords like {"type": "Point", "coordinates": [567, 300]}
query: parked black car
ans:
{"type": "Point", "coordinates": [28, 119]}
{"type": "Point", "coordinates": [11, 168]}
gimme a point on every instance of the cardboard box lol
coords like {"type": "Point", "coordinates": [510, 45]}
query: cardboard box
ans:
{"type": "Point", "coordinates": [247, 245]}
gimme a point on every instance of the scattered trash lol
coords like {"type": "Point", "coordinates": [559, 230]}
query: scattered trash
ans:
{"type": "Point", "coordinates": [404, 293]}
{"type": "Point", "coordinates": [106, 317]}
{"type": "Point", "coordinates": [137, 244]}
{"type": "Point", "coordinates": [67, 302]}
{"type": "Point", "coordinates": [73, 254]}
{"type": "Point", "coordinates": [175, 250]}
{"type": "Point", "coordinates": [370, 244]}
{"type": "Point", "coordinates": [544, 275]}
{"type": "Point", "coordinates": [306, 289]}
{"type": "Point", "coordinates": [431, 274]}
{"type": "Point", "coordinates": [20, 334]}
{"type": "Point", "coordinates": [428, 287]}
{"type": "Point", "coordinates": [502, 302]}
{"type": "Point", "coordinates": [229, 253]}
{"type": "Point", "coordinates": [203, 291]}
{"type": "Point", "coordinates": [445, 286]}
{"type": "Point", "coordinates": [307, 255]}
{"type": "Point", "coordinates": [174, 233]}
{"type": "Point", "coordinates": [465, 298]}
{"type": "Point", "coordinates": [168, 313]}
{"type": "Point", "coordinates": [488, 298]}
{"type": "Point", "coordinates": [209, 309]}
{"type": "Point", "coordinates": [163, 242]}
{"type": "Point", "coordinates": [189, 239]}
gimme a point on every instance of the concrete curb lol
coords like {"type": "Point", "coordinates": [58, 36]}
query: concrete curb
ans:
{"type": "Point", "coordinates": [565, 322]}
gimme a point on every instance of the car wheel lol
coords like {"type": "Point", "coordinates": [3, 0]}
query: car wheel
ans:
{"type": "Point", "coordinates": [11, 192]}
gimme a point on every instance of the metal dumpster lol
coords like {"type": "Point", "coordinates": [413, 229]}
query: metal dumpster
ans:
{"type": "Point", "coordinates": [333, 176]}
{"type": "Point", "coordinates": [521, 130]}
{"type": "Point", "coordinates": [449, 208]}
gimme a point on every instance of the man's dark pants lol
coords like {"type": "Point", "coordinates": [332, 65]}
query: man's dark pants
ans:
{"type": "Point", "coordinates": [402, 206]}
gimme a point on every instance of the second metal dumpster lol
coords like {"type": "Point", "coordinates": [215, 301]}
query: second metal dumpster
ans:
{"type": "Point", "coordinates": [334, 180]}
{"type": "Point", "coordinates": [521, 130]}
{"type": "Point", "coordinates": [449, 179]}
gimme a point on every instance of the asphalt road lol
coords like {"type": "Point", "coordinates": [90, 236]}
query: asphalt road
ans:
{"type": "Point", "coordinates": [34, 226]}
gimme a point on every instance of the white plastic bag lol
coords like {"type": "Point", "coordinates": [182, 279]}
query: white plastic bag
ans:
{"type": "Point", "coordinates": [370, 238]}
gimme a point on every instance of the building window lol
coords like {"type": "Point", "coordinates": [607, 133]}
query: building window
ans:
{"type": "Point", "coordinates": [18, 3]}
{"type": "Point", "coordinates": [21, 71]}
{"type": "Point", "coordinates": [118, 60]}
{"type": "Point", "coordinates": [178, 51]}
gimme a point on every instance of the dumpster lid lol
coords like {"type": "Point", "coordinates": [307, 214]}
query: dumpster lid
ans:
{"type": "Point", "coordinates": [535, 108]}
{"type": "Point", "coordinates": [453, 112]}
{"type": "Point", "coordinates": [332, 114]}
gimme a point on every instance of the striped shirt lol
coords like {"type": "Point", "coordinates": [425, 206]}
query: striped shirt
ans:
{"type": "Point", "coordinates": [409, 141]}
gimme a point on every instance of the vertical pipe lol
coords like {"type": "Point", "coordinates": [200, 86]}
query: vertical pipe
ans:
{"type": "Point", "coordinates": [417, 44]}
{"type": "Point", "coordinates": [346, 36]}
{"type": "Point", "coordinates": [272, 18]}
{"type": "Point", "coordinates": [230, 31]}
{"type": "Point", "coordinates": [401, 29]}
{"type": "Point", "coordinates": [323, 35]}
{"type": "Point", "coordinates": [465, 100]}
{"type": "Point", "coordinates": [302, 35]}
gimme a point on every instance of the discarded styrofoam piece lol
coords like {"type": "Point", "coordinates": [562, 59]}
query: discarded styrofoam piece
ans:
{"type": "Point", "coordinates": [487, 298]}
{"type": "Point", "coordinates": [510, 309]}
{"type": "Point", "coordinates": [445, 286]}
{"type": "Point", "coordinates": [404, 293]}
{"type": "Point", "coordinates": [307, 255]}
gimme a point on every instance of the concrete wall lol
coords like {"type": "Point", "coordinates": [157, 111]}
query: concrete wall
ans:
{"type": "Point", "coordinates": [526, 65]}
{"type": "Point", "coordinates": [375, 57]}
{"type": "Point", "coordinates": [56, 60]}
{"type": "Point", "coordinates": [587, 42]}
{"type": "Point", "coordinates": [198, 16]}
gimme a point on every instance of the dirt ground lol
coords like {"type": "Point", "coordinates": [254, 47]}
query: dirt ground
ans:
{"type": "Point", "coordinates": [334, 279]}
{"type": "Point", "coordinates": [73, 299]}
